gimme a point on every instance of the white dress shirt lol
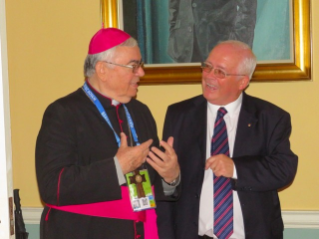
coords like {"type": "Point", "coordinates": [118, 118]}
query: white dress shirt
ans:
{"type": "Point", "coordinates": [206, 211]}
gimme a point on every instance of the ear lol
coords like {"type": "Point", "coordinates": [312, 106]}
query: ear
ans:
{"type": "Point", "coordinates": [101, 70]}
{"type": "Point", "coordinates": [244, 82]}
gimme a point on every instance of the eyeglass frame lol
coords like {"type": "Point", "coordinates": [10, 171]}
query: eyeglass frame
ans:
{"type": "Point", "coordinates": [133, 67]}
{"type": "Point", "coordinates": [210, 67]}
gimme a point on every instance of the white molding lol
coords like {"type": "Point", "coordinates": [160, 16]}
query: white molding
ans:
{"type": "Point", "coordinates": [292, 219]}
{"type": "Point", "coordinates": [31, 215]}
{"type": "Point", "coordinates": [301, 219]}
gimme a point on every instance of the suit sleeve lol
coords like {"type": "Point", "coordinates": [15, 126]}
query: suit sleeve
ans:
{"type": "Point", "coordinates": [61, 179]}
{"type": "Point", "coordinates": [245, 22]}
{"type": "Point", "coordinates": [165, 208]}
{"type": "Point", "coordinates": [275, 165]}
{"type": "Point", "coordinates": [166, 134]}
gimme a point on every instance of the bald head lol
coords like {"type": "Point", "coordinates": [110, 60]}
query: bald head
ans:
{"type": "Point", "coordinates": [228, 69]}
{"type": "Point", "coordinates": [241, 53]}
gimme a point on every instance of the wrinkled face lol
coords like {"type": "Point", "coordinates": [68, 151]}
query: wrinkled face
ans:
{"type": "Point", "coordinates": [223, 91]}
{"type": "Point", "coordinates": [121, 82]}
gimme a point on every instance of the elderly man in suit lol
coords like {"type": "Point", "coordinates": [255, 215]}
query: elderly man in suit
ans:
{"type": "Point", "coordinates": [92, 151]}
{"type": "Point", "coordinates": [234, 154]}
{"type": "Point", "coordinates": [196, 26]}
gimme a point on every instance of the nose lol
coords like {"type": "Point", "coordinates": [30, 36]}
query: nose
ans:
{"type": "Point", "coordinates": [209, 75]}
{"type": "Point", "coordinates": [140, 72]}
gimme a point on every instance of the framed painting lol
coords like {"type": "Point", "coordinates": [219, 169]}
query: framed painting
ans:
{"type": "Point", "coordinates": [295, 66]}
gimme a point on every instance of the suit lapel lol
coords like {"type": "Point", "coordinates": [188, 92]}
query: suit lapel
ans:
{"type": "Point", "coordinates": [246, 121]}
{"type": "Point", "coordinates": [199, 123]}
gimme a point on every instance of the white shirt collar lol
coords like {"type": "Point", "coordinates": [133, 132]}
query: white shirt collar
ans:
{"type": "Point", "coordinates": [232, 108]}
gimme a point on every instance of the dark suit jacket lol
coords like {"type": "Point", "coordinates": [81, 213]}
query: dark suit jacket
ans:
{"type": "Point", "coordinates": [262, 157]}
{"type": "Point", "coordinates": [210, 21]}
{"type": "Point", "coordinates": [74, 164]}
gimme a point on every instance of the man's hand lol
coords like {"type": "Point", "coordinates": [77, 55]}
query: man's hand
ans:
{"type": "Point", "coordinates": [131, 158]}
{"type": "Point", "coordinates": [165, 163]}
{"type": "Point", "coordinates": [221, 165]}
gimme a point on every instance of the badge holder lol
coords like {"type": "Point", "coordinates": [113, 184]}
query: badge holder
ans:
{"type": "Point", "coordinates": [140, 190]}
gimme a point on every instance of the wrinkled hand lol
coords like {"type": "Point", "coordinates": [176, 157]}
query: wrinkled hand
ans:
{"type": "Point", "coordinates": [165, 163]}
{"type": "Point", "coordinates": [221, 165]}
{"type": "Point", "coordinates": [131, 158]}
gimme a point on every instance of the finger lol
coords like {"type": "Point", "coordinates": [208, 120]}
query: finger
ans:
{"type": "Point", "coordinates": [146, 144]}
{"type": "Point", "coordinates": [142, 149]}
{"type": "Point", "coordinates": [153, 164]}
{"type": "Point", "coordinates": [159, 153]}
{"type": "Point", "coordinates": [170, 141]}
{"type": "Point", "coordinates": [123, 140]}
{"type": "Point", "coordinates": [157, 160]}
{"type": "Point", "coordinates": [210, 163]}
{"type": "Point", "coordinates": [207, 165]}
{"type": "Point", "coordinates": [168, 146]}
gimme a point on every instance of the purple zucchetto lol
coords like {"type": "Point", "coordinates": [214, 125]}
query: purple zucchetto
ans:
{"type": "Point", "coordinates": [105, 39]}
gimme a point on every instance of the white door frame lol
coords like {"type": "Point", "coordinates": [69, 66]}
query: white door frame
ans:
{"type": "Point", "coordinates": [6, 186]}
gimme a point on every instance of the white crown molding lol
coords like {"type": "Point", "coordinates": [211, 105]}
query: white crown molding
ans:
{"type": "Point", "coordinates": [292, 219]}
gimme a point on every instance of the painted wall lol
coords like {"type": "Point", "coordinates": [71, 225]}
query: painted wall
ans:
{"type": "Point", "coordinates": [47, 44]}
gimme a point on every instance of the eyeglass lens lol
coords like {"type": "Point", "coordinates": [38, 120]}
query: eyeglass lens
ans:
{"type": "Point", "coordinates": [137, 66]}
{"type": "Point", "coordinates": [217, 72]}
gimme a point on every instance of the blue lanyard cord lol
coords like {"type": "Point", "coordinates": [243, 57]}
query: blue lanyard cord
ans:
{"type": "Point", "coordinates": [100, 108]}
{"type": "Point", "coordinates": [131, 125]}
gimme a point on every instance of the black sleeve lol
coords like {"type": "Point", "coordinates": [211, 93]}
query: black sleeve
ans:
{"type": "Point", "coordinates": [165, 208]}
{"type": "Point", "coordinates": [62, 179]}
{"type": "Point", "coordinates": [273, 169]}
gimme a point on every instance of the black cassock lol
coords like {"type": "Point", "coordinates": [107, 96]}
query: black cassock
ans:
{"type": "Point", "coordinates": [74, 164]}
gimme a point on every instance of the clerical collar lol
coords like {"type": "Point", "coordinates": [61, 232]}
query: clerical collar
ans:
{"type": "Point", "coordinates": [113, 102]}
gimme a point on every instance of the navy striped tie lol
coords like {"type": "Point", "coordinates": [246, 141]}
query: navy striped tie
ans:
{"type": "Point", "coordinates": [223, 194]}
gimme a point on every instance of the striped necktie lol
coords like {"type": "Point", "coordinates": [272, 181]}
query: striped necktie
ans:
{"type": "Point", "coordinates": [223, 194]}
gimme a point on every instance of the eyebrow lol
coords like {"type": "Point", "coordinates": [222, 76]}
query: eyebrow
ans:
{"type": "Point", "coordinates": [218, 66]}
{"type": "Point", "coordinates": [135, 61]}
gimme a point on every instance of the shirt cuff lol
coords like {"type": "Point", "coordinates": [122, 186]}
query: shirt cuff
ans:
{"type": "Point", "coordinates": [119, 172]}
{"type": "Point", "coordinates": [234, 173]}
{"type": "Point", "coordinates": [170, 189]}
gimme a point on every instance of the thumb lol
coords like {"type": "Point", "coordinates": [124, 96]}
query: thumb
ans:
{"type": "Point", "coordinates": [170, 141]}
{"type": "Point", "coordinates": [123, 140]}
{"type": "Point", "coordinates": [146, 144]}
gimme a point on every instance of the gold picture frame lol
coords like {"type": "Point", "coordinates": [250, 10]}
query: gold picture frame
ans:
{"type": "Point", "coordinates": [298, 69]}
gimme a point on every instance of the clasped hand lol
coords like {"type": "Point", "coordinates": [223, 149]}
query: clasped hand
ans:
{"type": "Point", "coordinates": [221, 165]}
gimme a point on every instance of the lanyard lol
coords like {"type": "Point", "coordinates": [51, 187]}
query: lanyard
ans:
{"type": "Point", "coordinates": [100, 108]}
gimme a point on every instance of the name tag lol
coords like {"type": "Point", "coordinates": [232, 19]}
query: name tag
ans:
{"type": "Point", "coordinates": [140, 190]}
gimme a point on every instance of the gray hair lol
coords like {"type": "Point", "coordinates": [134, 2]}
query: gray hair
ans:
{"type": "Point", "coordinates": [248, 63]}
{"type": "Point", "coordinates": [108, 55]}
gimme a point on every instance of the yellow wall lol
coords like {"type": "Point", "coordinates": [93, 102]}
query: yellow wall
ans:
{"type": "Point", "coordinates": [47, 43]}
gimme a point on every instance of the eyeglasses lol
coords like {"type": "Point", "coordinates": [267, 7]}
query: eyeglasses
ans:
{"type": "Point", "coordinates": [219, 73]}
{"type": "Point", "coordinates": [133, 67]}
